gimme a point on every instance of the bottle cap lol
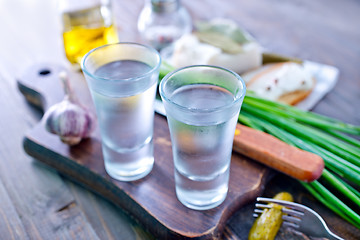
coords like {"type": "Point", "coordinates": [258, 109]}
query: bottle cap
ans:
{"type": "Point", "coordinates": [165, 6]}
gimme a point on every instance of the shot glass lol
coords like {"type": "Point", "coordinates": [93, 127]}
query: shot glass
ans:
{"type": "Point", "coordinates": [202, 105]}
{"type": "Point", "coordinates": [122, 79]}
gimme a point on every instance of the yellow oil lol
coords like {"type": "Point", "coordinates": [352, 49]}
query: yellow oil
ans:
{"type": "Point", "coordinates": [86, 29]}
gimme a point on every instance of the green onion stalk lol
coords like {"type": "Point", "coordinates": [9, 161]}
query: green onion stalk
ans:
{"type": "Point", "coordinates": [327, 137]}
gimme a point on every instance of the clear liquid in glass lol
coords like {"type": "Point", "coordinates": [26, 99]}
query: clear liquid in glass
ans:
{"type": "Point", "coordinates": [126, 121]}
{"type": "Point", "coordinates": [202, 146]}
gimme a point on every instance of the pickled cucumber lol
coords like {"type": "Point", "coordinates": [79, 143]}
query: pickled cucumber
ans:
{"type": "Point", "coordinates": [267, 225]}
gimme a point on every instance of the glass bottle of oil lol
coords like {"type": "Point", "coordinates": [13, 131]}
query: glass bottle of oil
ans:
{"type": "Point", "coordinates": [87, 24]}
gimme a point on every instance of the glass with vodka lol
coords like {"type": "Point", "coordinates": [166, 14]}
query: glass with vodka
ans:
{"type": "Point", "coordinates": [202, 105]}
{"type": "Point", "coordinates": [122, 79]}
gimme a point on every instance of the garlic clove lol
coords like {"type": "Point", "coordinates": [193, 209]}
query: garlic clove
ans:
{"type": "Point", "coordinates": [68, 119]}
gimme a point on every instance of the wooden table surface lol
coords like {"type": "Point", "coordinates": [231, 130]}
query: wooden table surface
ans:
{"type": "Point", "coordinates": [325, 31]}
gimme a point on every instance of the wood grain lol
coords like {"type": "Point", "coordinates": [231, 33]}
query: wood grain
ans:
{"type": "Point", "coordinates": [11, 227]}
{"type": "Point", "coordinates": [36, 204]}
{"type": "Point", "coordinates": [324, 31]}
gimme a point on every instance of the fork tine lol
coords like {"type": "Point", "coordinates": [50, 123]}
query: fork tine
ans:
{"type": "Point", "coordinates": [291, 219]}
{"type": "Point", "coordinates": [293, 212]}
{"type": "Point", "coordinates": [260, 205]}
{"type": "Point", "coordinates": [291, 205]}
{"type": "Point", "coordinates": [288, 207]}
{"type": "Point", "coordinates": [290, 224]}
{"type": "Point", "coordinates": [259, 209]}
{"type": "Point", "coordinates": [256, 210]}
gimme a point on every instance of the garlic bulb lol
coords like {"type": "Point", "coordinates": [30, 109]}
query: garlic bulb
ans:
{"type": "Point", "coordinates": [68, 119]}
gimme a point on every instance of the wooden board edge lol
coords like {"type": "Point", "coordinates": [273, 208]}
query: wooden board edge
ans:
{"type": "Point", "coordinates": [105, 188]}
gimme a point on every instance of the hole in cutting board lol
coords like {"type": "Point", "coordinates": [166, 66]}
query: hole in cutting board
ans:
{"type": "Point", "coordinates": [44, 72]}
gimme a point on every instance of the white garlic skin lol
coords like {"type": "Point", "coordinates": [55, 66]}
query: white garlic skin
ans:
{"type": "Point", "coordinates": [70, 121]}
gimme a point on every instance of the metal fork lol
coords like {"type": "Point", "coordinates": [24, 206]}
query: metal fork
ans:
{"type": "Point", "coordinates": [298, 217]}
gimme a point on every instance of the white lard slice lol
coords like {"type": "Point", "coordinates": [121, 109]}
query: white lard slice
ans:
{"type": "Point", "coordinates": [250, 58]}
{"type": "Point", "coordinates": [275, 80]}
{"type": "Point", "coordinates": [188, 50]}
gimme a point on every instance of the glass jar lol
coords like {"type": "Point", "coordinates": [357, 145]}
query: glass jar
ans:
{"type": "Point", "coordinates": [161, 22]}
{"type": "Point", "coordinates": [86, 24]}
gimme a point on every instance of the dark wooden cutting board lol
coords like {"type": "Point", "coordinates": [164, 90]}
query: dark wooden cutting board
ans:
{"type": "Point", "coordinates": [150, 201]}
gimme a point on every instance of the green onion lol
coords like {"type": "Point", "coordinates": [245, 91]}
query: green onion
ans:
{"type": "Point", "coordinates": [332, 161]}
{"type": "Point", "coordinates": [332, 202]}
{"type": "Point", "coordinates": [246, 121]}
{"type": "Point", "coordinates": [165, 68]}
{"type": "Point", "coordinates": [340, 186]}
{"type": "Point", "coordinates": [356, 192]}
{"type": "Point", "coordinates": [301, 116]}
{"type": "Point", "coordinates": [338, 147]}
{"type": "Point", "coordinates": [344, 138]}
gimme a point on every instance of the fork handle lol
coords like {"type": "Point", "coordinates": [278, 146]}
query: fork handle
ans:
{"type": "Point", "coordinates": [333, 236]}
